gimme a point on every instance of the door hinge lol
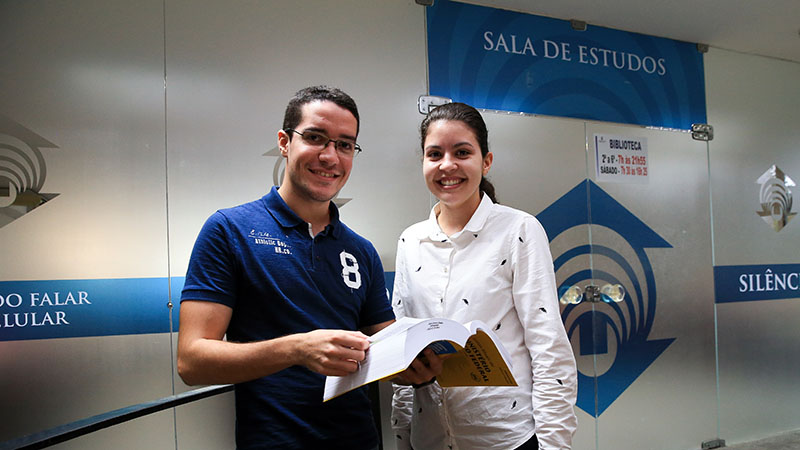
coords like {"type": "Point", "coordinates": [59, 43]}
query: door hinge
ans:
{"type": "Point", "coordinates": [427, 102]}
{"type": "Point", "coordinates": [702, 132]}
{"type": "Point", "coordinates": [713, 443]}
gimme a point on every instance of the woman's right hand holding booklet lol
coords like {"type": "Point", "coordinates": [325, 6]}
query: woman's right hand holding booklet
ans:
{"type": "Point", "coordinates": [422, 371]}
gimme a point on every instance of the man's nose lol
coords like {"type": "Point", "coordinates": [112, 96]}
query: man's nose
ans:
{"type": "Point", "coordinates": [329, 152]}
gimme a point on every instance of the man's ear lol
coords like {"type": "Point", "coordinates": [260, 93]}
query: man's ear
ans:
{"type": "Point", "coordinates": [283, 142]}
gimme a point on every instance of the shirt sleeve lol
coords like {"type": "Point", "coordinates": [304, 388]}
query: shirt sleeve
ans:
{"type": "Point", "coordinates": [376, 308]}
{"type": "Point", "coordinates": [552, 362]}
{"type": "Point", "coordinates": [403, 399]}
{"type": "Point", "coordinates": [212, 267]}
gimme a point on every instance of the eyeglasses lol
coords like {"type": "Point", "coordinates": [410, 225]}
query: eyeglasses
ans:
{"type": "Point", "coordinates": [315, 139]}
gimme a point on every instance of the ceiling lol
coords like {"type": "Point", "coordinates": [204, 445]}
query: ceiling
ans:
{"type": "Point", "coordinates": [768, 28]}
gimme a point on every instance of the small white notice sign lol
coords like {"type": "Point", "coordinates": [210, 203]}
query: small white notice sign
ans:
{"type": "Point", "coordinates": [621, 159]}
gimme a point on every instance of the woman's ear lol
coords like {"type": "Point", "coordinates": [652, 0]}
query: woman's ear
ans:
{"type": "Point", "coordinates": [487, 163]}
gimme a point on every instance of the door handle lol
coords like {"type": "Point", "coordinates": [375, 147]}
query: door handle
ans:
{"type": "Point", "coordinates": [608, 293]}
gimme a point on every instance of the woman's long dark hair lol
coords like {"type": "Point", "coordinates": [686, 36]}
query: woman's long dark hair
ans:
{"type": "Point", "coordinates": [472, 119]}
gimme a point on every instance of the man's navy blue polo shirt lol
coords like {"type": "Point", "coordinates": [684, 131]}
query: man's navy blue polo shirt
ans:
{"type": "Point", "coordinates": [259, 259]}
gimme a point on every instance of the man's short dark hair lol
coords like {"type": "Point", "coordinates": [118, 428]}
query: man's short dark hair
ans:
{"type": "Point", "coordinates": [294, 113]}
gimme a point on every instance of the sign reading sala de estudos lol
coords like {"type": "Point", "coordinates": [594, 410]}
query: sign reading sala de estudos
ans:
{"type": "Point", "coordinates": [510, 61]}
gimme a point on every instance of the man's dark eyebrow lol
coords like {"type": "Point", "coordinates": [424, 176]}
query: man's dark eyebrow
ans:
{"type": "Point", "coordinates": [314, 129]}
{"type": "Point", "coordinates": [325, 132]}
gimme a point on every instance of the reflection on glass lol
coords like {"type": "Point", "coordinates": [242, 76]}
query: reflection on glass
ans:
{"type": "Point", "coordinates": [613, 293]}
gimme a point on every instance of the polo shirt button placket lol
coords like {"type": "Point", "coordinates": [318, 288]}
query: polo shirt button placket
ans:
{"type": "Point", "coordinates": [315, 251]}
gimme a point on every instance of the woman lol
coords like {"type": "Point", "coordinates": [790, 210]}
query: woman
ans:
{"type": "Point", "coordinates": [475, 259]}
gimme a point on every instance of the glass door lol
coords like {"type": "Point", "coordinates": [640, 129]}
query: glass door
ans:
{"type": "Point", "coordinates": [540, 166]}
{"type": "Point", "coordinates": [627, 212]}
{"type": "Point", "coordinates": [646, 335]}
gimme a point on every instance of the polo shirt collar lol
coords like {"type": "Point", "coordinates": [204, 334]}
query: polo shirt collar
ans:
{"type": "Point", "coordinates": [476, 223]}
{"type": "Point", "coordinates": [287, 218]}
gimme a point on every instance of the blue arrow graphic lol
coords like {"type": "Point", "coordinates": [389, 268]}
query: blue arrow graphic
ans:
{"type": "Point", "coordinates": [588, 204]}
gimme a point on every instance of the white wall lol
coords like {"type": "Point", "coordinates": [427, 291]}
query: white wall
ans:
{"type": "Point", "coordinates": [753, 106]}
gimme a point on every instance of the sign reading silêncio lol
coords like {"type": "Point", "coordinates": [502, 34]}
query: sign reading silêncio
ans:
{"type": "Point", "coordinates": [509, 61]}
{"type": "Point", "coordinates": [756, 282]}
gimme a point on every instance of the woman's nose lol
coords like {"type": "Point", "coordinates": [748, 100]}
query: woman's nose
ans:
{"type": "Point", "coordinates": [447, 163]}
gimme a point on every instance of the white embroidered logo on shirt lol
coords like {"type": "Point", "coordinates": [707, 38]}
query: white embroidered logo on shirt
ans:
{"type": "Point", "coordinates": [264, 238]}
{"type": "Point", "coordinates": [350, 273]}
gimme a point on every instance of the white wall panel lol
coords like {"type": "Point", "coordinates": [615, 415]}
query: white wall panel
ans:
{"type": "Point", "coordinates": [86, 76]}
{"type": "Point", "coordinates": [753, 106]}
{"type": "Point", "coordinates": [231, 71]}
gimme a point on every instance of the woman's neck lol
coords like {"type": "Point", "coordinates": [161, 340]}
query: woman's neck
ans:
{"type": "Point", "coordinates": [453, 219]}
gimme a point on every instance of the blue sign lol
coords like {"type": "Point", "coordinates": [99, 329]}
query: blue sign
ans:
{"type": "Point", "coordinates": [80, 308]}
{"type": "Point", "coordinates": [504, 60]}
{"type": "Point", "coordinates": [55, 309]}
{"type": "Point", "coordinates": [630, 322]}
{"type": "Point", "coordinates": [751, 283]}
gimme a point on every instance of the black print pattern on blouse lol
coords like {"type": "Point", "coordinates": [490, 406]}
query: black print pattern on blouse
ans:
{"type": "Point", "coordinates": [504, 262]}
{"type": "Point", "coordinates": [520, 239]}
{"type": "Point", "coordinates": [514, 405]}
{"type": "Point", "coordinates": [465, 301]}
{"type": "Point", "coordinates": [560, 382]}
{"type": "Point", "coordinates": [418, 269]}
{"type": "Point", "coordinates": [497, 327]}
{"type": "Point", "coordinates": [543, 310]}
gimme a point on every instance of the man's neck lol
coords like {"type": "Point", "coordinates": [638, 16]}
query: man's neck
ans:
{"type": "Point", "coordinates": [313, 212]}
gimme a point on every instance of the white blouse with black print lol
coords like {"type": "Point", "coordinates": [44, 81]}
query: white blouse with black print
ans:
{"type": "Point", "coordinates": [497, 269]}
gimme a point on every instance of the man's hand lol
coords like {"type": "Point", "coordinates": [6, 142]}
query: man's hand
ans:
{"type": "Point", "coordinates": [204, 357]}
{"type": "Point", "coordinates": [422, 370]}
{"type": "Point", "coordinates": [332, 352]}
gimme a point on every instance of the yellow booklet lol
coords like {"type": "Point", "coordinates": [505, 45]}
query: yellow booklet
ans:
{"type": "Point", "coordinates": [473, 355]}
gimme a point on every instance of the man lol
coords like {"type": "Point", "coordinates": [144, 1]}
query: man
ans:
{"type": "Point", "coordinates": [290, 284]}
